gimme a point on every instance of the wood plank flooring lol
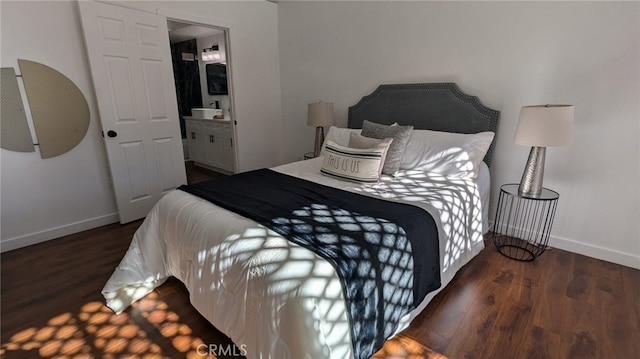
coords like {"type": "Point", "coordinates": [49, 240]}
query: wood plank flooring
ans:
{"type": "Point", "coordinates": [197, 174]}
{"type": "Point", "coordinates": [563, 305]}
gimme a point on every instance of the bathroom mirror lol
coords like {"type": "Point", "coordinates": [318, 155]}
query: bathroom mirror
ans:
{"type": "Point", "coordinates": [217, 79]}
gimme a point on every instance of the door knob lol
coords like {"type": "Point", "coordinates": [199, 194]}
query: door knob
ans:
{"type": "Point", "coordinates": [112, 133]}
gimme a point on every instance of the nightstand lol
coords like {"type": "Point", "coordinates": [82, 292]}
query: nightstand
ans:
{"type": "Point", "coordinates": [309, 155]}
{"type": "Point", "coordinates": [522, 224]}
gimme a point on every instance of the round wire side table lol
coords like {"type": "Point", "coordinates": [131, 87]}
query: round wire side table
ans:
{"type": "Point", "coordinates": [523, 223]}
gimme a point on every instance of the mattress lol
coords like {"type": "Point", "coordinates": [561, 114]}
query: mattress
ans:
{"type": "Point", "coordinates": [271, 296]}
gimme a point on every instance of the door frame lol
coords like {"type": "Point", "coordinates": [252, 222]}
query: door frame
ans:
{"type": "Point", "coordinates": [227, 28]}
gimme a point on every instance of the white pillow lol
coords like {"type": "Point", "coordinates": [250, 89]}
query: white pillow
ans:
{"type": "Point", "coordinates": [359, 141]}
{"type": "Point", "coordinates": [339, 135]}
{"type": "Point", "coordinates": [352, 164]}
{"type": "Point", "coordinates": [446, 153]}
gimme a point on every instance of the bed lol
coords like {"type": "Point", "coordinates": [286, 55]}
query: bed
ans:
{"type": "Point", "coordinates": [277, 299]}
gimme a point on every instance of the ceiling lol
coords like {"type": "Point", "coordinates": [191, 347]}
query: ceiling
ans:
{"type": "Point", "coordinates": [179, 31]}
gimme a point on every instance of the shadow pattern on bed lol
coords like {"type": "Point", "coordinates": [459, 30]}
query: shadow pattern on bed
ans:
{"type": "Point", "coordinates": [387, 265]}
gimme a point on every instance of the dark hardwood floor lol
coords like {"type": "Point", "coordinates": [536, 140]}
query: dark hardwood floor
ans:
{"type": "Point", "coordinates": [197, 174]}
{"type": "Point", "coordinates": [563, 305]}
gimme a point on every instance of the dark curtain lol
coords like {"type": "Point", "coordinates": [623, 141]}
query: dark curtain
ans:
{"type": "Point", "coordinates": [187, 77]}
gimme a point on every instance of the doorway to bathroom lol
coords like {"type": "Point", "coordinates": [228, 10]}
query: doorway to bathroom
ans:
{"type": "Point", "coordinates": [200, 59]}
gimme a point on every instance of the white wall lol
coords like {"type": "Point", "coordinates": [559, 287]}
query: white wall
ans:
{"type": "Point", "coordinates": [509, 54]}
{"type": "Point", "coordinates": [44, 199]}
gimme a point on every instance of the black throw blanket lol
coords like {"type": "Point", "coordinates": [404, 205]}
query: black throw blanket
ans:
{"type": "Point", "coordinates": [385, 253]}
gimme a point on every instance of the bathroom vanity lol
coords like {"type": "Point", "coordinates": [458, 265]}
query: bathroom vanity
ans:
{"type": "Point", "coordinates": [210, 143]}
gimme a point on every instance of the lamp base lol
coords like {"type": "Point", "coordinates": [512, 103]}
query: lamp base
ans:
{"type": "Point", "coordinates": [531, 182]}
{"type": "Point", "coordinates": [319, 141]}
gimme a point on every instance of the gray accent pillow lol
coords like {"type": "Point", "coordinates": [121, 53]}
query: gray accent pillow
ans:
{"type": "Point", "coordinates": [400, 135]}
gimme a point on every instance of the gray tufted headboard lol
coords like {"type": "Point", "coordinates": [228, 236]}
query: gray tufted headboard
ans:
{"type": "Point", "coordinates": [428, 106]}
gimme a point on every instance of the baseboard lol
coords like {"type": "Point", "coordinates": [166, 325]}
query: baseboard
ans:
{"type": "Point", "coordinates": [590, 250]}
{"type": "Point", "coordinates": [57, 232]}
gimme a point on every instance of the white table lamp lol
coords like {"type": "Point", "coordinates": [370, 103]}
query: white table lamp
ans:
{"type": "Point", "coordinates": [319, 115]}
{"type": "Point", "coordinates": [541, 126]}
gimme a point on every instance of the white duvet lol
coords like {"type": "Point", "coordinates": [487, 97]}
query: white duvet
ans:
{"type": "Point", "coordinates": [272, 297]}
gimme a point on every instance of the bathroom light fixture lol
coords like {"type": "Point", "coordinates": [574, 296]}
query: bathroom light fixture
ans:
{"type": "Point", "coordinates": [210, 54]}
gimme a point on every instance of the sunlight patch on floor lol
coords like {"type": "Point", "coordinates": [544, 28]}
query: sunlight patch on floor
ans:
{"type": "Point", "coordinates": [402, 347]}
{"type": "Point", "coordinates": [96, 332]}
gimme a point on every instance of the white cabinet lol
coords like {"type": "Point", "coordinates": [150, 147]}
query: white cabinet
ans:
{"type": "Point", "coordinates": [195, 141]}
{"type": "Point", "coordinates": [219, 147]}
{"type": "Point", "coordinates": [210, 143]}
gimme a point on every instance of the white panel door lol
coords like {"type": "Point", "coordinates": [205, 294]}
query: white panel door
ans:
{"type": "Point", "coordinates": [132, 74]}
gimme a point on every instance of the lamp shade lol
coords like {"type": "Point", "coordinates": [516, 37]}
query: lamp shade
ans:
{"type": "Point", "coordinates": [545, 125]}
{"type": "Point", "coordinates": [320, 114]}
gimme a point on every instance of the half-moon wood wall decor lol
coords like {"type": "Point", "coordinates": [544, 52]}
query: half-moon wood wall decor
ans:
{"type": "Point", "coordinates": [59, 110]}
{"type": "Point", "coordinates": [14, 128]}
